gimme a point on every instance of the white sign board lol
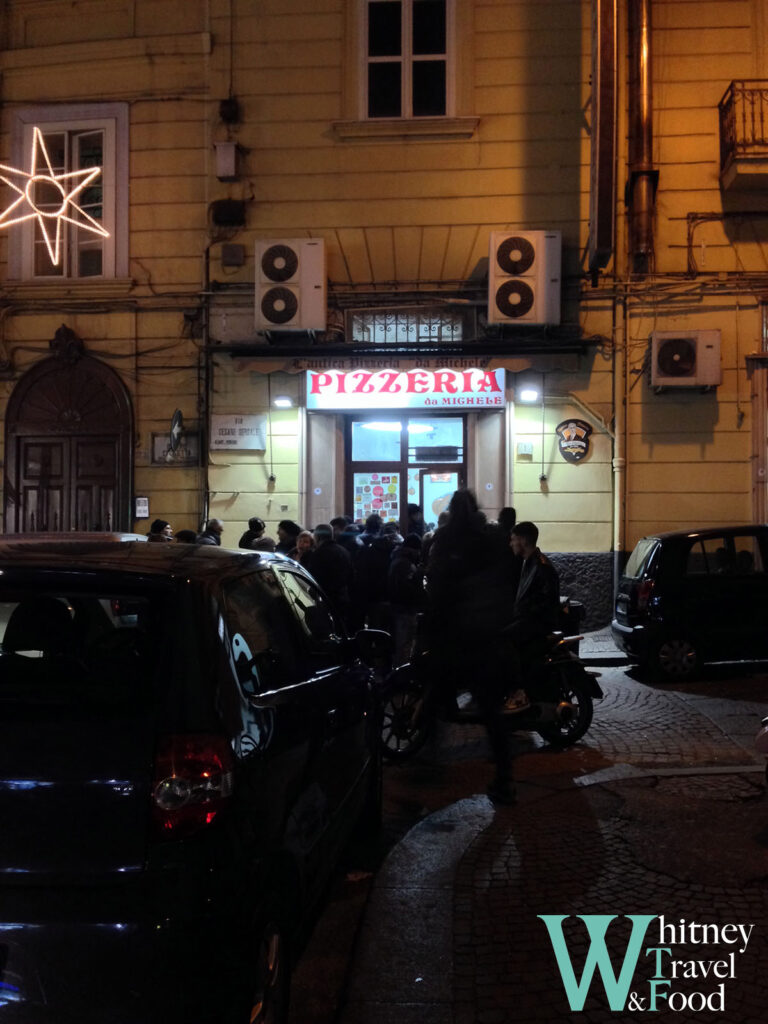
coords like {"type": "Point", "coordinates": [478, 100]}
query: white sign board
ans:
{"type": "Point", "coordinates": [406, 389]}
{"type": "Point", "coordinates": [238, 432]}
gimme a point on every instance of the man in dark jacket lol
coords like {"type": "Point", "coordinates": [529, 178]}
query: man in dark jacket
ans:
{"type": "Point", "coordinates": [405, 588]}
{"type": "Point", "coordinates": [211, 535]}
{"type": "Point", "coordinates": [287, 532]}
{"type": "Point", "coordinates": [331, 566]}
{"type": "Point", "coordinates": [160, 532]}
{"type": "Point", "coordinates": [373, 525]}
{"type": "Point", "coordinates": [372, 572]}
{"type": "Point", "coordinates": [254, 538]}
{"type": "Point", "coordinates": [346, 534]}
{"type": "Point", "coordinates": [471, 590]}
{"type": "Point", "coordinates": [536, 611]}
{"type": "Point", "coordinates": [537, 605]}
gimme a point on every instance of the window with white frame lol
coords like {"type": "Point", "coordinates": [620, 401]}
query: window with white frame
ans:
{"type": "Point", "coordinates": [74, 139]}
{"type": "Point", "coordinates": [408, 58]}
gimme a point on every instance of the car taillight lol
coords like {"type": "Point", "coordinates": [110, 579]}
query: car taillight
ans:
{"type": "Point", "coordinates": [192, 782]}
{"type": "Point", "coordinates": [644, 592]}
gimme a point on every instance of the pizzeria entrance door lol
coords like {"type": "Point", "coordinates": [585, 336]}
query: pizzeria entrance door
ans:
{"type": "Point", "coordinates": [399, 460]}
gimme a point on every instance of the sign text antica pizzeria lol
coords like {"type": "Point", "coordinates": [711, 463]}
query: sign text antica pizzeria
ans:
{"type": "Point", "coordinates": [406, 389]}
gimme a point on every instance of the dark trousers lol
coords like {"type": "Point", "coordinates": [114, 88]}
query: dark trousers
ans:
{"type": "Point", "coordinates": [480, 664]}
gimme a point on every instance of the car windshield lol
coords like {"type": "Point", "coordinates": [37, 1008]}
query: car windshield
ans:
{"type": "Point", "coordinates": [78, 648]}
{"type": "Point", "coordinates": [640, 557]}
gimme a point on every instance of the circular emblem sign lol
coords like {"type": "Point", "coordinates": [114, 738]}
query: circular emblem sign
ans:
{"type": "Point", "coordinates": [573, 438]}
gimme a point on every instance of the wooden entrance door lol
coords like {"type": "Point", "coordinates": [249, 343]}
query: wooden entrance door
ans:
{"type": "Point", "coordinates": [68, 449]}
{"type": "Point", "coordinates": [67, 483]}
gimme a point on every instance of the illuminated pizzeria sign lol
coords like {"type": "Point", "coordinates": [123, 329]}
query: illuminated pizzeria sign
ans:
{"type": "Point", "coordinates": [406, 389]}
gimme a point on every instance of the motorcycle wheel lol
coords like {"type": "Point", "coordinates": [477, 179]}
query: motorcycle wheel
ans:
{"type": "Point", "coordinates": [574, 713]}
{"type": "Point", "coordinates": [403, 730]}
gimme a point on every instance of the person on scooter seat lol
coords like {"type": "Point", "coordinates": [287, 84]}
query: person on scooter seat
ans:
{"type": "Point", "coordinates": [536, 610]}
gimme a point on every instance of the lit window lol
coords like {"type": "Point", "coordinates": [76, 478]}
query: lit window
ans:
{"type": "Point", "coordinates": [76, 138]}
{"type": "Point", "coordinates": [407, 58]}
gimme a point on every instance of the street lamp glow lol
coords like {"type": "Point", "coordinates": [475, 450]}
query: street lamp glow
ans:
{"type": "Point", "coordinates": [528, 395]}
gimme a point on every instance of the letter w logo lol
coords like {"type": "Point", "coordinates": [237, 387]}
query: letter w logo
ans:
{"type": "Point", "coordinates": [597, 925]}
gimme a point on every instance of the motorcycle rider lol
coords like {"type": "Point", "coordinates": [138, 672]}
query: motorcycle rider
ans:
{"type": "Point", "coordinates": [536, 611]}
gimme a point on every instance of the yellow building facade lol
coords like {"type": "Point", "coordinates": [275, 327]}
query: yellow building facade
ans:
{"type": "Point", "coordinates": [422, 148]}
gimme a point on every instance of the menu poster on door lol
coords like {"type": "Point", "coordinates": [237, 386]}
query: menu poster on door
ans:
{"type": "Point", "coordinates": [377, 492]}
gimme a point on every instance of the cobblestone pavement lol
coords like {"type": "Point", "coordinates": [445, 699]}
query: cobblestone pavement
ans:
{"type": "Point", "coordinates": [661, 810]}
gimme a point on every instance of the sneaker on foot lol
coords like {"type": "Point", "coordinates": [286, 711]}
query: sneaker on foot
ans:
{"type": "Point", "coordinates": [517, 701]}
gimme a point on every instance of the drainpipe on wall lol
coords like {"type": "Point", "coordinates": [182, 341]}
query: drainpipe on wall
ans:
{"type": "Point", "coordinates": [620, 364]}
{"type": "Point", "coordinates": [643, 177]}
{"type": "Point", "coordinates": [206, 387]}
{"type": "Point", "coordinates": [759, 375]}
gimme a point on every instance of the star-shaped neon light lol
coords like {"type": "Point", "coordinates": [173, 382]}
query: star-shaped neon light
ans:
{"type": "Point", "coordinates": [69, 185]}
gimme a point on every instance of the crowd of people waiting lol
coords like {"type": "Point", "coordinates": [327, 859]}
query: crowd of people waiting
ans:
{"type": "Point", "coordinates": [464, 568]}
{"type": "Point", "coordinates": [483, 593]}
{"type": "Point", "coordinates": [372, 574]}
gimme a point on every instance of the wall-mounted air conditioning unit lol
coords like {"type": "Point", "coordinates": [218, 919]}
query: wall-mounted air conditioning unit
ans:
{"type": "Point", "coordinates": [524, 269]}
{"type": "Point", "coordinates": [685, 359]}
{"type": "Point", "coordinates": [290, 284]}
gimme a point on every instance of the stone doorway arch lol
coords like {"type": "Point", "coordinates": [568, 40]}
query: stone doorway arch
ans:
{"type": "Point", "coordinates": [68, 445]}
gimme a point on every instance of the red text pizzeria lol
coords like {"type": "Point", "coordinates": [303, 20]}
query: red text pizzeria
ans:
{"type": "Point", "coordinates": [411, 382]}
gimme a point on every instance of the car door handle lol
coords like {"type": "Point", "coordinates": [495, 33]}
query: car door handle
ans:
{"type": "Point", "coordinates": [333, 717]}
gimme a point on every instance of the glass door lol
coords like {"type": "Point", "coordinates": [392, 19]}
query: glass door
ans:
{"type": "Point", "coordinates": [405, 460]}
{"type": "Point", "coordinates": [436, 490]}
{"type": "Point", "coordinates": [376, 477]}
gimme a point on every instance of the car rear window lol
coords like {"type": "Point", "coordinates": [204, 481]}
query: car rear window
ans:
{"type": "Point", "coordinates": [79, 648]}
{"type": "Point", "coordinates": [640, 557]}
{"type": "Point", "coordinates": [733, 555]}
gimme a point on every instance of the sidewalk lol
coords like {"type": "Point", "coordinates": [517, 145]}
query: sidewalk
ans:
{"type": "Point", "coordinates": [598, 648]}
{"type": "Point", "coordinates": [451, 933]}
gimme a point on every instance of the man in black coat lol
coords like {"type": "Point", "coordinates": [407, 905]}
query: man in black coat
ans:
{"type": "Point", "coordinates": [537, 604]}
{"type": "Point", "coordinates": [211, 535]}
{"type": "Point", "coordinates": [254, 539]}
{"type": "Point", "coordinates": [536, 611]}
{"type": "Point", "coordinates": [331, 565]}
{"type": "Point", "coordinates": [371, 564]}
{"type": "Point", "coordinates": [405, 589]}
{"type": "Point", "coordinates": [471, 588]}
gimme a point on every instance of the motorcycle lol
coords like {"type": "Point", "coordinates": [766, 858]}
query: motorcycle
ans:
{"type": "Point", "coordinates": [560, 689]}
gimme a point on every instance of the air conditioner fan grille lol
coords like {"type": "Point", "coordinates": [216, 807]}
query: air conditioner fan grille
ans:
{"type": "Point", "coordinates": [514, 298]}
{"type": "Point", "coordinates": [279, 263]}
{"type": "Point", "coordinates": [279, 305]}
{"type": "Point", "coordinates": [677, 357]}
{"type": "Point", "coordinates": [515, 255]}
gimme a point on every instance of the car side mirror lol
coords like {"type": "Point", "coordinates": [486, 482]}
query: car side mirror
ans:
{"type": "Point", "coordinates": [374, 647]}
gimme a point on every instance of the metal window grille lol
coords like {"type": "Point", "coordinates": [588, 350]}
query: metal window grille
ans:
{"type": "Point", "coordinates": [405, 327]}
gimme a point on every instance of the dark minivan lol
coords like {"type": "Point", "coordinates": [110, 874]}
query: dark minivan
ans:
{"type": "Point", "coordinates": [692, 597]}
{"type": "Point", "coordinates": [187, 741]}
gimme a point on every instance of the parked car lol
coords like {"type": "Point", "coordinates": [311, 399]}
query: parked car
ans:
{"type": "Point", "coordinates": [694, 596]}
{"type": "Point", "coordinates": [187, 742]}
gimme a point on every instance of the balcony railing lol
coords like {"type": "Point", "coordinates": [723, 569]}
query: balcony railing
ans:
{"type": "Point", "coordinates": [743, 123]}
